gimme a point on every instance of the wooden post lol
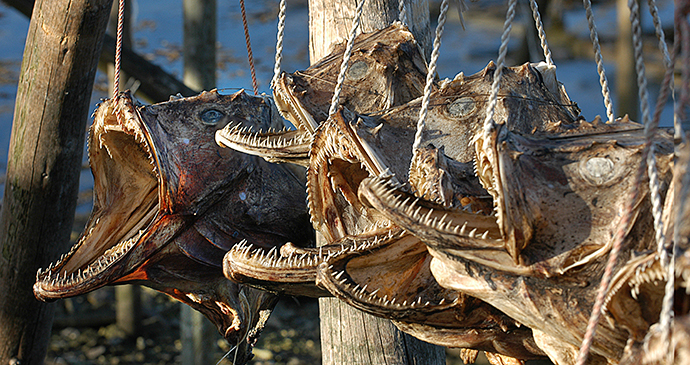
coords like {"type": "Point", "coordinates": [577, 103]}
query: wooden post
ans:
{"type": "Point", "coordinates": [199, 42]}
{"type": "Point", "coordinates": [156, 84]}
{"type": "Point", "coordinates": [197, 334]}
{"type": "Point", "coordinates": [330, 22]}
{"type": "Point", "coordinates": [350, 336]}
{"type": "Point", "coordinates": [127, 297]}
{"type": "Point", "coordinates": [626, 77]}
{"type": "Point", "coordinates": [53, 99]}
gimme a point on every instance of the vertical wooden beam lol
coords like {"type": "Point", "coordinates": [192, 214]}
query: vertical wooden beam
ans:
{"type": "Point", "coordinates": [197, 334]}
{"type": "Point", "coordinates": [350, 336]}
{"type": "Point", "coordinates": [53, 98]}
{"type": "Point", "coordinates": [626, 76]}
{"type": "Point", "coordinates": [330, 22]}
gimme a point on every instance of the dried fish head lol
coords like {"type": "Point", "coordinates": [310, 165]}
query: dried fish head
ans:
{"type": "Point", "coordinates": [558, 186]}
{"type": "Point", "coordinates": [169, 202]}
{"type": "Point", "coordinates": [386, 69]}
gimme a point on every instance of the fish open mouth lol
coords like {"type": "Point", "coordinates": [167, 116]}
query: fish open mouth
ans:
{"type": "Point", "coordinates": [337, 197]}
{"type": "Point", "coordinates": [126, 203]}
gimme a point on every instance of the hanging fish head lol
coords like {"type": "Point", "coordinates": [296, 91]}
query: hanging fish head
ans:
{"type": "Point", "coordinates": [169, 202]}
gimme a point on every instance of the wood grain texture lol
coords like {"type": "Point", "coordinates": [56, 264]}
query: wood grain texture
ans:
{"type": "Point", "coordinates": [44, 160]}
{"type": "Point", "coordinates": [330, 22]}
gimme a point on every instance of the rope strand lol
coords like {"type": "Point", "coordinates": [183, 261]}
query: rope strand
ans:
{"type": "Point", "coordinates": [346, 58]}
{"type": "Point", "coordinates": [118, 47]}
{"type": "Point", "coordinates": [540, 29]}
{"type": "Point", "coordinates": [594, 37]}
{"type": "Point", "coordinates": [430, 76]}
{"type": "Point", "coordinates": [402, 12]}
{"type": "Point", "coordinates": [502, 51]}
{"type": "Point", "coordinates": [279, 44]}
{"type": "Point", "coordinates": [249, 48]}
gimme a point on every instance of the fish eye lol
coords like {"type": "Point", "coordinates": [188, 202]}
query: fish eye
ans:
{"type": "Point", "coordinates": [211, 117]}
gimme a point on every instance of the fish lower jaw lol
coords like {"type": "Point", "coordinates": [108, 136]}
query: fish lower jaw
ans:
{"type": "Point", "coordinates": [54, 282]}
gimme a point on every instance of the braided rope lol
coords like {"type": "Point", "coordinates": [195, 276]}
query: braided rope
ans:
{"type": "Point", "coordinates": [502, 51]}
{"type": "Point", "coordinates": [249, 48]}
{"type": "Point", "coordinates": [402, 12]}
{"type": "Point", "coordinates": [430, 76]}
{"type": "Point", "coordinates": [594, 36]}
{"type": "Point", "coordinates": [346, 58]}
{"type": "Point", "coordinates": [118, 54]}
{"type": "Point", "coordinates": [279, 43]}
{"type": "Point", "coordinates": [619, 237]}
{"type": "Point", "coordinates": [648, 162]}
{"type": "Point", "coordinates": [649, 127]}
{"type": "Point", "coordinates": [542, 34]}
{"type": "Point", "coordinates": [667, 261]}
{"type": "Point", "coordinates": [118, 47]}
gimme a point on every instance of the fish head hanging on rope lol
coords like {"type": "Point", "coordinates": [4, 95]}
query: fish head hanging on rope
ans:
{"type": "Point", "coordinates": [386, 69]}
{"type": "Point", "coordinates": [558, 186]}
{"type": "Point", "coordinates": [369, 261]}
{"type": "Point", "coordinates": [169, 203]}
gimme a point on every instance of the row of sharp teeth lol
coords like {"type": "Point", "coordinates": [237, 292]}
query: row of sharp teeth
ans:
{"type": "Point", "coordinates": [274, 259]}
{"type": "Point", "coordinates": [279, 93]}
{"type": "Point", "coordinates": [408, 208]}
{"type": "Point", "coordinates": [244, 136]}
{"type": "Point", "coordinates": [376, 225]}
{"type": "Point", "coordinates": [371, 297]}
{"type": "Point", "coordinates": [104, 261]}
{"type": "Point", "coordinates": [322, 156]}
{"type": "Point", "coordinates": [333, 147]}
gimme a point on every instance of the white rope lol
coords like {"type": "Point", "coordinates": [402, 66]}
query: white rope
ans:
{"type": "Point", "coordinates": [502, 51]}
{"type": "Point", "coordinates": [346, 58]}
{"type": "Point", "coordinates": [654, 11]}
{"type": "Point", "coordinates": [593, 35]}
{"type": "Point", "coordinates": [542, 34]}
{"type": "Point", "coordinates": [649, 129]}
{"type": "Point", "coordinates": [430, 76]}
{"type": "Point", "coordinates": [667, 261]}
{"type": "Point", "coordinates": [279, 44]}
{"type": "Point", "coordinates": [402, 12]}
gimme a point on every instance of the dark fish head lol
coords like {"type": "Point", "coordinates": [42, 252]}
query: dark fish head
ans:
{"type": "Point", "coordinates": [169, 203]}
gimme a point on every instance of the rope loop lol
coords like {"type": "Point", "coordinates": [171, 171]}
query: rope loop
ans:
{"type": "Point", "coordinates": [421, 122]}
{"type": "Point", "coordinates": [118, 47]}
{"type": "Point", "coordinates": [498, 74]}
{"type": "Point", "coordinates": [594, 37]}
{"type": "Point", "coordinates": [540, 29]}
{"type": "Point", "coordinates": [346, 58]}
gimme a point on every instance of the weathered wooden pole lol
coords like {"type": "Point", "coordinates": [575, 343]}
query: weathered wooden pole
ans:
{"type": "Point", "coordinates": [330, 22]}
{"type": "Point", "coordinates": [44, 160]}
{"type": "Point", "coordinates": [626, 77]}
{"type": "Point", "coordinates": [350, 336]}
{"type": "Point", "coordinates": [197, 334]}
